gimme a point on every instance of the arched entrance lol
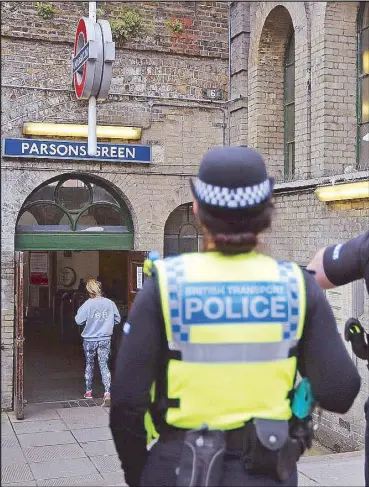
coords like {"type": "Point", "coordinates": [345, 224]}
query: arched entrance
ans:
{"type": "Point", "coordinates": [69, 229]}
{"type": "Point", "coordinates": [74, 212]}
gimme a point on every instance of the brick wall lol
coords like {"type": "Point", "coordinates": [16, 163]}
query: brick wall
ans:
{"type": "Point", "coordinates": [315, 224]}
{"type": "Point", "coordinates": [205, 25]}
{"type": "Point", "coordinates": [146, 73]}
{"type": "Point", "coordinates": [240, 38]}
{"type": "Point", "coordinates": [158, 83]}
{"type": "Point", "coordinates": [325, 134]}
{"type": "Point", "coordinates": [333, 102]}
{"type": "Point", "coordinates": [271, 24]}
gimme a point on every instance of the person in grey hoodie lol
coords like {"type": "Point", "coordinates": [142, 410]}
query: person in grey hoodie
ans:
{"type": "Point", "coordinates": [99, 315]}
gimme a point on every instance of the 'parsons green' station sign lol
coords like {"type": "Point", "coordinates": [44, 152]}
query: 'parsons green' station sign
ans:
{"type": "Point", "coordinates": [71, 150]}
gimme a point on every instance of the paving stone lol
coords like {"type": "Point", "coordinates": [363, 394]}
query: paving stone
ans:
{"type": "Point", "coordinates": [7, 429]}
{"type": "Point", "coordinates": [330, 472]}
{"type": "Point", "coordinates": [63, 468]}
{"type": "Point", "coordinates": [4, 418]}
{"type": "Point", "coordinates": [107, 463]}
{"type": "Point", "coordinates": [86, 423]}
{"type": "Point", "coordinates": [92, 434]}
{"type": "Point", "coordinates": [92, 413]}
{"type": "Point", "coordinates": [78, 418]}
{"type": "Point", "coordinates": [32, 413]}
{"type": "Point", "coordinates": [333, 457]}
{"type": "Point", "coordinates": [9, 442]}
{"type": "Point", "coordinates": [53, 452]}
{"type": "Point", "coordinates": [93, 479]}
{"type": "Point", "coordinates": [98, 448]}
{"type": "Point", "coordinates": [30, 483]}
{"type": "Point", "coordinates": [46, 438]}
{"type": "Point", "coordinates": [304, 481]}
{"type": "Point", "coordinates": [40, 426]}
{"type": "Point", "coordinates": [15, 474]}
{"type": "Point", "coordinates": [12, 456]}
{"type": "Point", "coordinates": [113, 479]}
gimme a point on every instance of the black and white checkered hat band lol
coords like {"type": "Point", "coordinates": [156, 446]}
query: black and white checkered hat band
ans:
{"type": "Point", "coordinates": [232, 198]}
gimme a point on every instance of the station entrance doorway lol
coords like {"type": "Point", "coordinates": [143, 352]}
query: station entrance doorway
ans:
{"type": "Point", "coordinates": [69, 230]}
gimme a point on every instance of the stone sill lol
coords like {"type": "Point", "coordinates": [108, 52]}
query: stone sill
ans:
{"type": "Point", "coordinates": [313, 183]}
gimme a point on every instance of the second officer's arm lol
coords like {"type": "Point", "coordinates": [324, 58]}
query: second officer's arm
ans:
{"type": "Point", "coordinates": [340, 264]}
{"type": "Point", "coordinates": [135, 371]}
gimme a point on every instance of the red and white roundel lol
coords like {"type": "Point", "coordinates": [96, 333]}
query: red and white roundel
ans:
{"type": "Point", "coordinates": [80, 41]}
{"type": "Point", "coordinates": [84, 76]}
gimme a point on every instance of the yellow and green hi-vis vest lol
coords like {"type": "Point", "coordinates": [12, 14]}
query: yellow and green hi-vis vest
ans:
{"type": "Point", "coordinates": [234, 323]}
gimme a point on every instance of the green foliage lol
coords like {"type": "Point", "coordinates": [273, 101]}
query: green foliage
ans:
{"type": "Point", "coordinates": [126, 25]}
{"type": "Point", "coordinates": [100, 13]}
{"type": "Point", "coordinates": [45, 10]}
{"type": "Point", "coordinates": [175, 25]}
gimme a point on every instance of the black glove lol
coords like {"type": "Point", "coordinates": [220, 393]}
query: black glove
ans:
{"type": "Point", "coordinates": [354, 333]}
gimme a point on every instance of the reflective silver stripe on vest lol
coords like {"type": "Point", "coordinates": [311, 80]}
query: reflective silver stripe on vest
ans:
{"type": "Point", "coordinates": [175, 274]}
{"type": "Point", "coordinates": [287, 274]}
{"type": "Point", "coordinates": [233, 352]}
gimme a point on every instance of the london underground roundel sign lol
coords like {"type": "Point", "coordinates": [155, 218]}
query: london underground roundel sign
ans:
{"type": "Point", "coordinates": [84, 58]}
{"type": "Point", "coordinates": [94, 53]}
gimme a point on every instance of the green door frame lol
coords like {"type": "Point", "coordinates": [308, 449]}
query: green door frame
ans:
{"type": "Point", "coordinates": [74, 241]}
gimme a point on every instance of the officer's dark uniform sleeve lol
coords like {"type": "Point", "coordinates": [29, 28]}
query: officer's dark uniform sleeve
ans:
{"type": "Point", "coordinates": [135, 372]}
{"type": "Point", "coordinates": [347, 262]}
{"type": "Point", "coordinates": [323, 357]}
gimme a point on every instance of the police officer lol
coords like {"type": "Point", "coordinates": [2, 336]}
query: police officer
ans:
{"type": "Point", "coordinates": [213, 342]}
{"type": "Point", "coordinates": [337, 265]}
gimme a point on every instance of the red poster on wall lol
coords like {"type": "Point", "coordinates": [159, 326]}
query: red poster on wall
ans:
{"type": "Point", "coordinates": [39, 267]}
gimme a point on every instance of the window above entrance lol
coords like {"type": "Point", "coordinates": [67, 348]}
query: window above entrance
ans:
{"type": "Point", "coordinates": [74, 206]}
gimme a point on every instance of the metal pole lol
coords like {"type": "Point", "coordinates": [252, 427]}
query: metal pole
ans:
{"type": "Point", "coordinates": [92, 11]}
{"type": "Point", "coordinates": [92, 139]}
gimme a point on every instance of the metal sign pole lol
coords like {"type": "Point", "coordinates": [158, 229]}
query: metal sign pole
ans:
{"type": "Point", "coordinates": [92, 139]}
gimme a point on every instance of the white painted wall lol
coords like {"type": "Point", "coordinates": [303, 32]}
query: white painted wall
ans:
{"type": "Point", "coordinates": [85, 264]}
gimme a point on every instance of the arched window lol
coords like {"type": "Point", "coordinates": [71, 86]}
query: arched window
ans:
{"type": "Point", "coordinates": [289, 107]}
{"type": "Point", "coordinates": [182, 233]}
{"type": "Point", "coordinates": [56, 213]}
{"type": "Point", "coordinates": [363, 84]}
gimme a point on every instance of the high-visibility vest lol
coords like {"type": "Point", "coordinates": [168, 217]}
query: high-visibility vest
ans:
{"type": "Point", "coordinates": [151, 431]}
{"type": "Point", "coordinates": [233, 324]}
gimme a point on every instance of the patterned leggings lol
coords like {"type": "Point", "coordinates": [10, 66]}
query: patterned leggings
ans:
{"type": "Point", "coordinates": [102, 348]}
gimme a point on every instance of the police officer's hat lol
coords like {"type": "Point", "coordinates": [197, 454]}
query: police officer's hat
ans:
{"type": "Point", "coordinates": [232, 178]}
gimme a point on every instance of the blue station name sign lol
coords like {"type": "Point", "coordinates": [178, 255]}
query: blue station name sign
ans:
{"type": "Point", "coordinates": [71, 150]}
{"type": "Point", "coordinates": [82, 56]}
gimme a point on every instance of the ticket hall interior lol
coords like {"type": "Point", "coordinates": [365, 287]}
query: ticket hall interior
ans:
{"type": "Point", "coordinates": [53, 354]}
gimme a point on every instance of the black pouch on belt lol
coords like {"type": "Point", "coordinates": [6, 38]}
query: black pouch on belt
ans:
{"type": "Point", "coordinates": [269, 450]}
{"type": "Point", "coordinates": [201, 462]}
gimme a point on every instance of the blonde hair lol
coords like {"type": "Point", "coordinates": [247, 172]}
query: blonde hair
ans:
{"type": "Point", "coordinates": [94, 287]}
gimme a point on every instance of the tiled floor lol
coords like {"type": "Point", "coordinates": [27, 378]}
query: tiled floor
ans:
{"type": "Point", "coordinates": [55, 447]}
{"type": "Point", "coordinates": [73, 446]}
{"type": "Point", "coordinates": [53, 370]}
